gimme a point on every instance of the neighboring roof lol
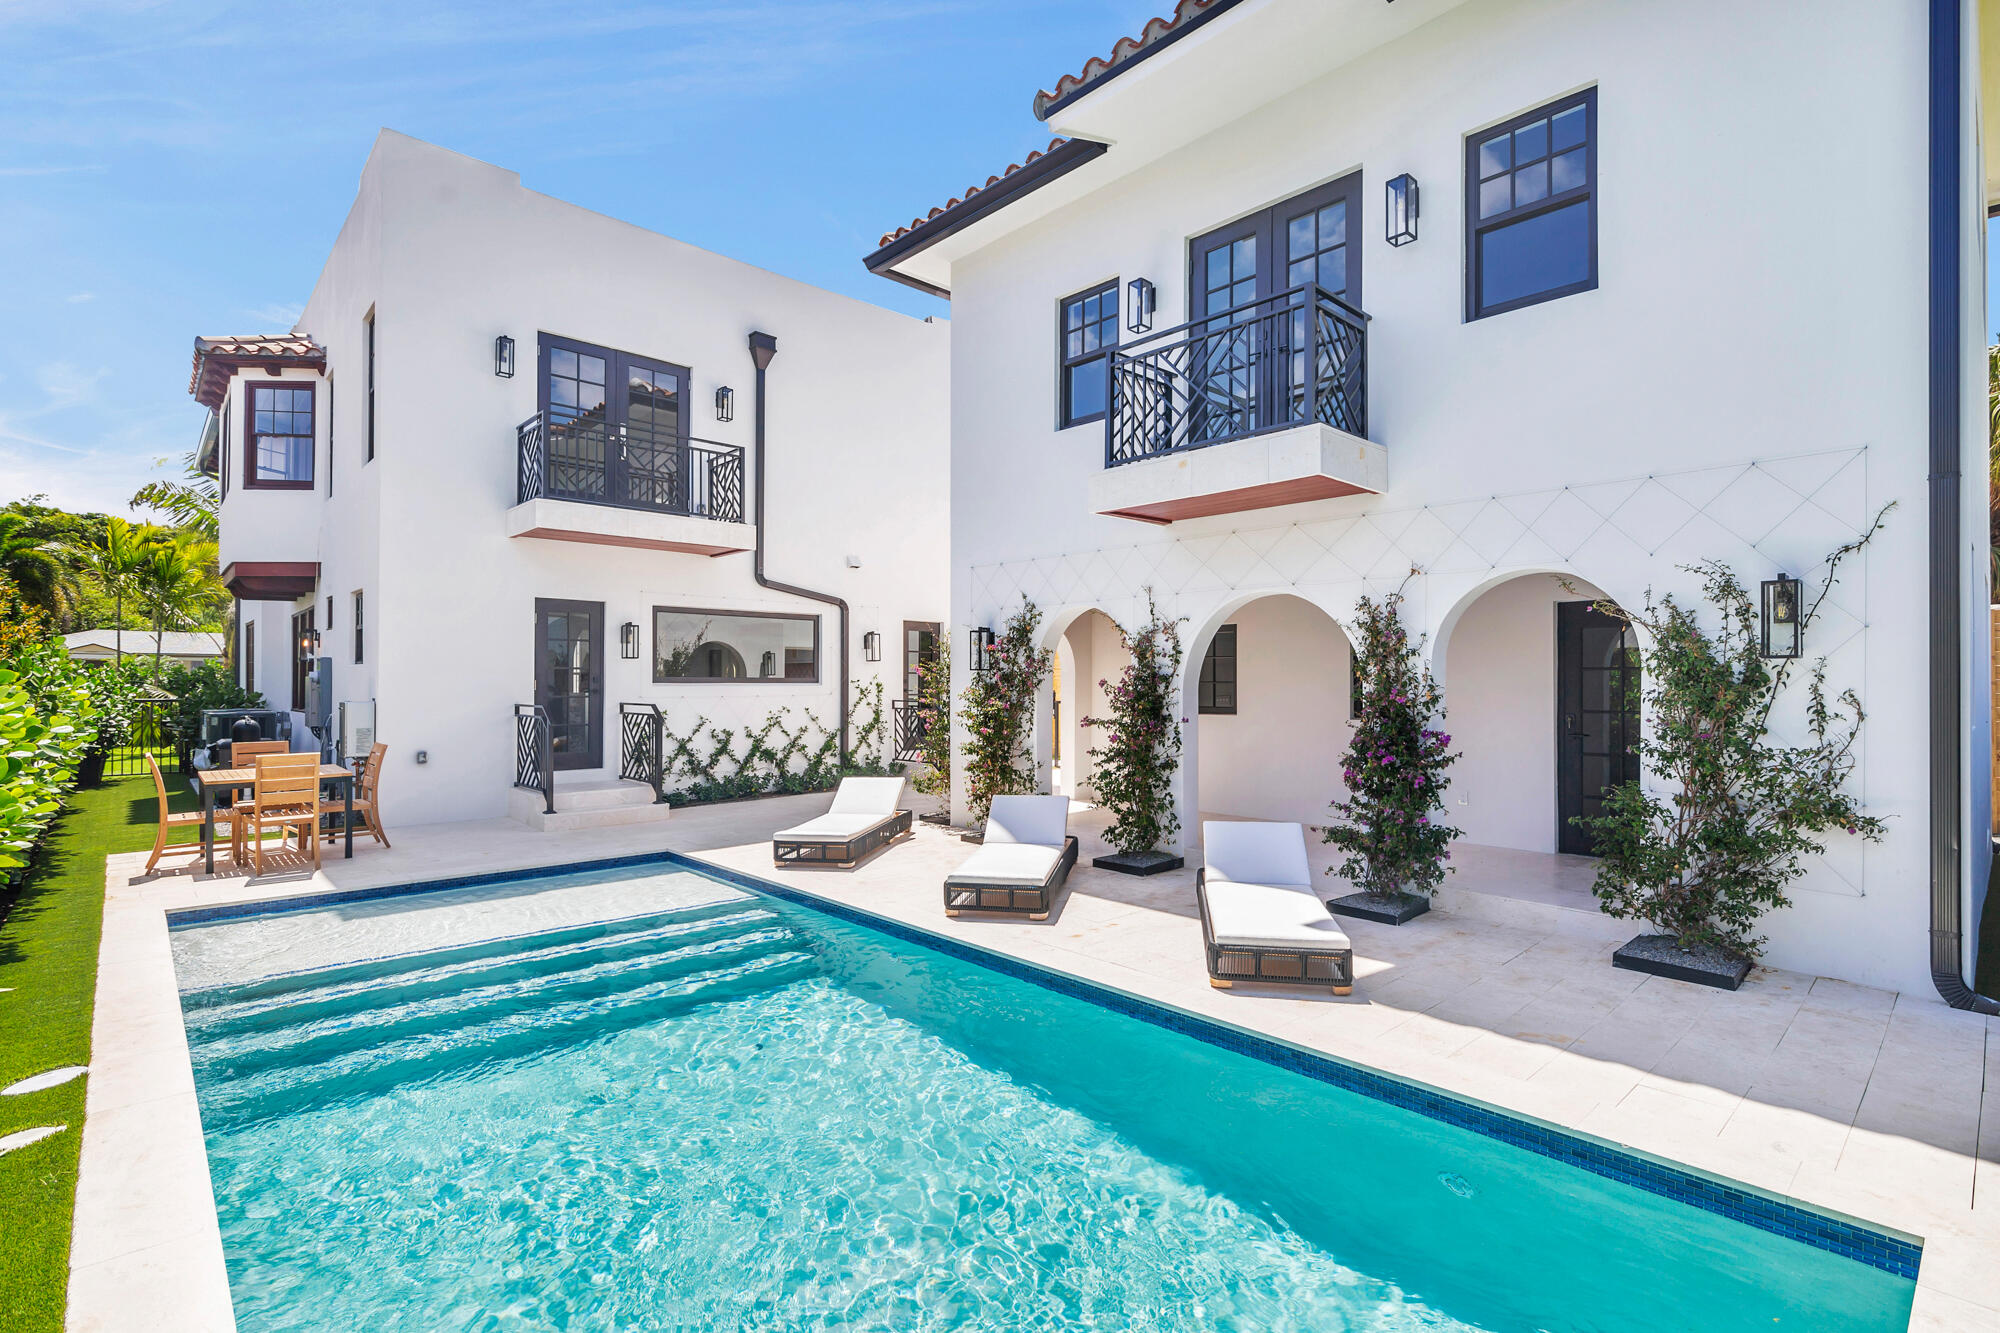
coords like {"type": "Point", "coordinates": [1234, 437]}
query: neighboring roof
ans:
{"type": "Point", "coordinates": [216, 359]}
{"type": "Point", "coordinates": [1031, 173]}
{"type": "Point", "coordinates": [139, 643]}
{"type": "Point", "coordinates": [1161, 32]}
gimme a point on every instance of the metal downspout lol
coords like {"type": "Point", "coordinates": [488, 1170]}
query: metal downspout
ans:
{"type": "Point", "coordinates": [1947, 62]}
{"type": "Point", "coordinates": [763, 347]}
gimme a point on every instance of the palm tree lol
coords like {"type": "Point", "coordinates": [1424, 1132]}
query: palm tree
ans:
{"type": "Point", "coordinates": [42, 572]}
{"type": "Point", "coordinates": [191, 503]}
{"type": "Point", "coordinates": [176, 582]}
{"type": "Point", "coordinates": [118, 563]}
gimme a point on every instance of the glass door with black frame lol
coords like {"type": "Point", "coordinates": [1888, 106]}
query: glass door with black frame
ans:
{"type": "Point", "coordinates": [615, 426]}
{"type": "Point", "coordinates": [569, 679]}
{"type": "Point", "coordinates": [1597, 717]}
{"type": "Point", "coordinates": [650, 463]}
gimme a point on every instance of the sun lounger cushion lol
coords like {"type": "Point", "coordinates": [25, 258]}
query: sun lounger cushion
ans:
{"type": "Point", "coordinates": [831, 828]}
{"type": "Point", "coordinates": [1040, 820]}
{"type": "Point", "coordinates": [1011, 863]}
{"type": "Point", "coordinates": [1270, 916]}
{"type": "Point", "coordinates": [867, 796]}
{"type": "Point", "coordinates": [1240, 852]}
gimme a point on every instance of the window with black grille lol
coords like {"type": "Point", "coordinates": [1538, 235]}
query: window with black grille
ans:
{"type": "Point", "coordinates": [1217, 690]}
{"type": "Point", "coordinates": [1531, 207]}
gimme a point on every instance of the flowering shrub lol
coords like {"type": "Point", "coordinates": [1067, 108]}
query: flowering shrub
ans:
{"type": "Point", "coordinates": [1395, 765]}
{"type": "Point", "coordinates": [934, 716]}
{"type": "Point", "coordinates": [1705, 861]}
{"type": "Point", "coordinates": [997, 709]}
{"type": "Point", "coordinates": [1133, 770]}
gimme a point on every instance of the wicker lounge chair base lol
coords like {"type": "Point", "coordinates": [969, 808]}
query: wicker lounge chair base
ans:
{"type": "Point", "coordinates": [790, 849]}
{"type": "Point", "coordinates": [1270, 963]}
{"type": "Point", "coordinates": [1034, 901]}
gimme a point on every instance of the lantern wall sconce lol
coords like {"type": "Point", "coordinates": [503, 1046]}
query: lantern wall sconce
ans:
{"type": "Point", "coordinates": [503, 357]}
{"type": "Point", "coordinates": [1783, 635]}
{"type": "Point", "coordinates": [1143, 298]}
{"type": "Point", "coordinates": [982, 649]}
{"type": "Point", "coordinates": [871, 646]}
{"type": "Point", "coordinates": [1400, 201]}
{"type": "Point", "coordinates": [767, 665]}
{"type": "Point", "coordinates": [628, 641]}
{"type": "Point", "coordinates": [725, 404]}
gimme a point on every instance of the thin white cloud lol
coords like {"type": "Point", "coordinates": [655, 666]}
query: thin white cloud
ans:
{"type": "Point", "coordinates": [280, 314]}
{"type": "Point", "coordinates": [78, 298]}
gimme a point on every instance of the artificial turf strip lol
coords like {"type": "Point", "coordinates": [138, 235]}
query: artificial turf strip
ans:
{"type": "Point", "coordinates": [48, 955]}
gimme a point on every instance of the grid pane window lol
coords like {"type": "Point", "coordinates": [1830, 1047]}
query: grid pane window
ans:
{"type": "Point", "coordinates": [357, 623]}
{"type": "Point", "coordinates": [278, 445]}
{"type": "Point", "coordinates": [1217, 691]}
{"type": "Point", "coordinates": [1530, 192]}
{"type": "Point", "coordinates": [1088, 331]}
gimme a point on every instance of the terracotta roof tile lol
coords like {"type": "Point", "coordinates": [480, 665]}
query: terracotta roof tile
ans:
{"type": "Point", "coordinates": [1127, 47]}
{"type": "Point", "coordinates": [970, 191]}
{"type": "Point", "coordinates": [215, 359]}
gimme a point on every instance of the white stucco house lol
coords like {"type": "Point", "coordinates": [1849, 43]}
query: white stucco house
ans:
{"type": "Point", "coordinates": [523, 473]}
{"type": "Point", "coordinates": [184, 648]}
{"type": "Point", "coordinates": [1309, 294]}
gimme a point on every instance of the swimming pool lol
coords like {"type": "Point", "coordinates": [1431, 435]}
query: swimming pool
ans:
{"type": "Point", "coordinates": [728, 1109]}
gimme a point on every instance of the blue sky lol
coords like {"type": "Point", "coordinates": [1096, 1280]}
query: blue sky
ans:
{"type": "Point", "coordinates": [181, 168]}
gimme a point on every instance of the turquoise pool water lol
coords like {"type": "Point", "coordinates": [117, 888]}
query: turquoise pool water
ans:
{"type": "Point", "coordinates": [752, 1115]}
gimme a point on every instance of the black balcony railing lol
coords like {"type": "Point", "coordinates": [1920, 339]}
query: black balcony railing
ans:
{"type": "Point", "coordinates": [642, 749]}
{"type": "Point", "coordinates": [534, 756]}
{"type": "Point", "coordinates": [913, 723]}
{"type": "Point", "coordinates": [586, 460]}
{"type": "Point", "coordinates": [1286, 360]}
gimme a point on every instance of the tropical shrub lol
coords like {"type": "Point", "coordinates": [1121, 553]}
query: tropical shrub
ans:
{"type": "Point", "coordinates": [998, 709]}
{"type": "Point", "coordinates": [1133, 770]}
{"type": "Point", "coordinates": [933, 778]}
{"type": "Point", "coordinates": [199, 686]}
{"type": "Point", "coordinates": [1705, 857]}
{"type": "Point", "coordinates": [46, 726]}
{"type": "Point", "coordinates": [1395, 765]}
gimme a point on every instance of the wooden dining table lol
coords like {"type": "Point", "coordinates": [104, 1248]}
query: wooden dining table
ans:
{"type": "Point", "coordinates": [233, 780]}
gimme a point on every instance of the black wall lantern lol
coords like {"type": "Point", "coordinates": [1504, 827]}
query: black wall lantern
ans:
{"type": "Point", "coordinates": [628, 641]}
{"type": "Point", "coordinates": [725, 404]}
{"type": "Point", "coordinates": [1401, 202]}
{"type": "Point", "coordinates": [871, 646]}
{"type": "Point", "coordinates": [1139, 316]}
{"type": "Point", "coordinates": [503, 357]}
{"type": "Point", "coordinates": [1782, 631]}
{"type": "Point", "coordinates": [982, 649]}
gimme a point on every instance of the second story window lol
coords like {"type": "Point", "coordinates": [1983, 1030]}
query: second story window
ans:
{"type": "Point", "coordinates": [1531, 207]}
{"type": "Point", "coordinates": [1088, 331]}
{"type": "Point", "coordinates": [278, 436]}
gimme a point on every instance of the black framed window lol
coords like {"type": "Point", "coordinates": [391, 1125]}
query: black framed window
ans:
{"type": "Point", "coordinates": [1531, 207]}
{"type": "Point", "coordinates": [278, 436]}
{"type": "Point", "coordinates": [690, 643]}
{"type": "Point", "coordinates": [1087, 331]}
{"type": "Point", "coordinates": [249, 653]}
{"type": "Point", "coordinates": [329, 437]}
{"type": "Point", "coordinates": [368, 388]}
{"type": "Point", "coordinates": [1218, 673]}
{"type": "Point", "coordinates": [357, 625]}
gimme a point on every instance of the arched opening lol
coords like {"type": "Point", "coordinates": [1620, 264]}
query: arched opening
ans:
{"type": "Point", "coordinates": [1271, 712]}
{"type": "Point", "coordinates": [1542, 697]}
{"type": "Point", "coordinates": [1089, 649]}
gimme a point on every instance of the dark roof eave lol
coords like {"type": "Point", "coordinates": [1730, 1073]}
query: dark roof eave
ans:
{"type": "Point", "coordinates": [1084, 87]}
{"type": "Point", "coordinates": [1050, 166]}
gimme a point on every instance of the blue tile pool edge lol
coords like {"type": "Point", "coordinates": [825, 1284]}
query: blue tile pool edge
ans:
{"type": "Point", "coordinates": [1868, 1244]}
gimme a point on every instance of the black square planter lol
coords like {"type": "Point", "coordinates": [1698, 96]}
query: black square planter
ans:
{"type": "Point", "coordinates": [1385, 909]}
{"type": "Point", "coordinates": [1660, 956]}
{"type": "Point", "coordinates": [1145, 863]}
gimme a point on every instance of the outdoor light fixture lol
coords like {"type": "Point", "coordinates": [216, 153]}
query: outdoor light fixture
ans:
{"type": "Point", "coordinates": [1782, 631]}
{"type": "Point", "coordinates": [628, 640]}
{"type": "Point", "coordinates": [1401, 202]}
{"type": "Point", "coordinates": [982, 649]}
{"type": "Point", "coordinates": [871, 646]}
{"type": "Point", "coordinates": [1144, 297]}
{"type": "Point", "coordinates": [767, 665]}
{"type": "Point", "coordinates": [503, 357]}
{"type": "Point", "coordinates": [725, 404]}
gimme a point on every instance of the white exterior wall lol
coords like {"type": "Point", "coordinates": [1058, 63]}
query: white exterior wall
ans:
{"type": "Point", "coordinates": [1703, 401]}
{"type": "Point", "coordinates": [451, 252]}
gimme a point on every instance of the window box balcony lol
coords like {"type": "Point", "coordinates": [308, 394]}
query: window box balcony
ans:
{"type": "Point", "coordinates": [584, 481]}
{"type": "Point", "coordinates": [1262, 404]}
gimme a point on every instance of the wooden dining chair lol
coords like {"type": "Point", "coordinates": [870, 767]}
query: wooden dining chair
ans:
{"type": "Point", "coordinates": [244, 754]}
{"type": "Point", "coordinates": [367, 795]}
{"type": "Point", "coordinates": [286, 796]}
{"type": "Point", "coordinates": [170, 820]}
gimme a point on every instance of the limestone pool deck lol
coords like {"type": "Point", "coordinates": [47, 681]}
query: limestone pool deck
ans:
{"type": "Point", "coordinates": [1864, 1102]}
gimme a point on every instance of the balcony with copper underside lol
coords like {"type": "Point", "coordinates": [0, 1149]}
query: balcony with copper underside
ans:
{"type": "Point", "coordinates": [1261, 405]}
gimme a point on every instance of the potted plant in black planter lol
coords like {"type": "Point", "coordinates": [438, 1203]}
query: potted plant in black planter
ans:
{"type": "Point", "coordinates": [1395, 764]}
{"type": "Point", "coordinates": [1133, 770]}
{"type": "Point", "coordinates": [1708, 854]}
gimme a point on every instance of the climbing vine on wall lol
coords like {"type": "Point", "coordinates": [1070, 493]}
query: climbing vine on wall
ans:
{"type": "Point", "coordinates": [934, 716]}
{"type": "Point", "coordinates": [1133, 768]}
{"type": "Point", "coordinates": [999, 709]}
{"type": "Point", "coordinates": [783, 753]}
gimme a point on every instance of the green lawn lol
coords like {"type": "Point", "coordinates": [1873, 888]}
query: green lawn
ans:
{"type": "Point", "coordinates": [48, 956]}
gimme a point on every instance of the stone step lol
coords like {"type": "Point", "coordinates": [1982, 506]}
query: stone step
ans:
{"type": "Point", "coordinates": [588, 805]}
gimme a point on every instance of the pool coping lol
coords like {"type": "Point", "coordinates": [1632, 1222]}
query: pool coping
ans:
{"type": "Point", "coordinates": [1873, 1244]}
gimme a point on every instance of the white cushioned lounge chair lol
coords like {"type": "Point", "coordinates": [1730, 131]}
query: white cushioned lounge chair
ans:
{"type": "Point", "coordinates": [1260, 919]}
{"type": "Point", "coordinates": [863, 817]}
{"type": "Point", "coordinates": [1026, 856]}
